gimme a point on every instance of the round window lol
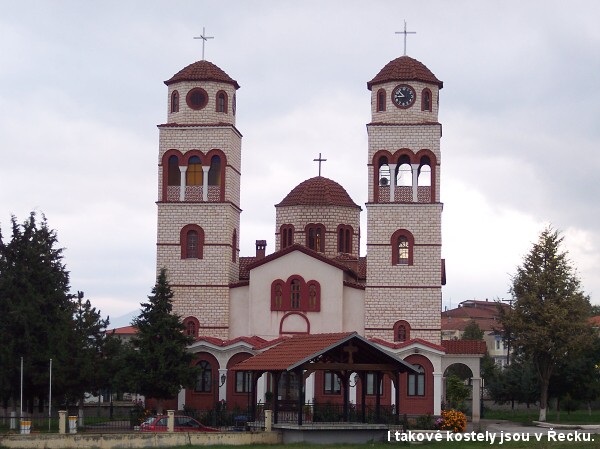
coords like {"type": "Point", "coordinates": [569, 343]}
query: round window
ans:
{"type": "Point", "coordinates": [196, 98]}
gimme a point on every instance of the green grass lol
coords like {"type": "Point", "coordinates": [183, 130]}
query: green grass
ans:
{"type": "Point", "coordinates": [440, 445]}
{"type": "Point", "coordinates": [532, 414]}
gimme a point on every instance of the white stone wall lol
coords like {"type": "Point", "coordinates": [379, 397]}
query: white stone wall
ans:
{"type": "Point", "coordinates": [393, 114]}
{"type": "Point", "coordinates": [208, 114]}
{"type": "Point", "coordinates": [329, 216]}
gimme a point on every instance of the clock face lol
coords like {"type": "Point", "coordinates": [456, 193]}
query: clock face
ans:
{"type": "Point", "coordinates": [403, 96]}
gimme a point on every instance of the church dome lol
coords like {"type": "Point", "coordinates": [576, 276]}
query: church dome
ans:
{"type": "Point", "coordinates": [202, 71]}
{"type": "Point", "coordinates": [405, 68]}
{"type": "Point", "coordinates": [318, 191]}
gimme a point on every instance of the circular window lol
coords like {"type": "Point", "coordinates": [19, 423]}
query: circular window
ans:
{"type": "Point", "coordinates": [196, 98]}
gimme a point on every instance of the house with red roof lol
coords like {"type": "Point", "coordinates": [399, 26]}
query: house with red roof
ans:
{"type": "Point", "coordinates": [486, 314]}
{"type": "Point", "coordinates": [315, 281]}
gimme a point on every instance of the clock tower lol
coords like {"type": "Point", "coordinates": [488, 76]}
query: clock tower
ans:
{"type": "Point", "coordinates": [404, 240]}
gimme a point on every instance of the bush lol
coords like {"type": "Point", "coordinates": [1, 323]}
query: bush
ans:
{"type": "Point", "coordinates": [454, 421]}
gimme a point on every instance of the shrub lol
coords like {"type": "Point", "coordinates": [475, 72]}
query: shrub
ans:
{"type": "Point", "coordinates": [454, 421]}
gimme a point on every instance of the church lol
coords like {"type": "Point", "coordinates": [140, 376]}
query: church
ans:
{"type": "Point", "coordinates": [315, 282]}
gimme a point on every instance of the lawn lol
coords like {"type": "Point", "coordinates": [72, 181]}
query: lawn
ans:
{"type": "Point", "coordinates": [440, 445]}
{"type": "Point", "coordinates": [532, 414]}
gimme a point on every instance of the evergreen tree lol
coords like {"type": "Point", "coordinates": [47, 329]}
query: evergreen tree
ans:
{"type": "Point", "coordinates": [548, 320]}
{"type": "Point", "coordinates": [35, 311]}
{"type": "Point", "coordinates": [472, 331]}
{"type": "Point", "coordinates": [84, 373]}
{"type": "Point", "coordinates": [162, 360]}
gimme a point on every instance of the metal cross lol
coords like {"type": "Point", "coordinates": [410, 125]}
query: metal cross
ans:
{"type": "Point", "coordinates": [405, 33]}
{"type": "Point", "coordinates": [204, 38]}
{"type": "Point", "coordinates": [319, 160]}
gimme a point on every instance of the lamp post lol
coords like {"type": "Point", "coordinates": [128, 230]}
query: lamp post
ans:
{"type": "Point", "coordinates": [217, 386]}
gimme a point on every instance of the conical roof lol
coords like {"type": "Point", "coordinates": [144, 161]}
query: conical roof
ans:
{"type": "Point", "coordinates": [318, 191]}
{"type": "Point", "coordinates": [202, 71]}
{"type": "Point", "coordinates": [405, 68]}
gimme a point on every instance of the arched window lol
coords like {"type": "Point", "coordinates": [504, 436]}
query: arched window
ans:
{"type": "Point", "coordinates": [191, 325]}
{"type": "Point", "coordinates": [401, 331]}
{"type": "Point", "coordinates": [221, 101]}
{"type": "Point", "coordinates": [233, 105]}
{"type": "Point", "coordinates": [404, 175]}
{"type": "Point", "coordinates": [204, 379]}
{"type": "Point", "coordinates": [424, 179]}
{"type": "Point", "coordinates": [426, 100]}
{"type": "Point", "coordinates": [295, 294]}
{"type": "Point", "coordinates": [173, 172]}
{"type": "Point", "coordinates": [345, 239]}
{"type": "Point", "coordinates": [384, 171]}
{"type": "Point", "coordinates": [192, 242]}
{"type": "Point", "coordinates": [214, 172]}
{"type": "Point", "coordinates": [416, 382]}
{"type": "Point", "coordinates": [402, 247]}
{"type": "Point", "coordinates": [175, 101]}
{"type": "Point", "coordinates": [380, 100]}
{"type": "Point", "coordinates": [286, 236]}
{"type": "Point", "coordinates": [191, 247]}
{"type": "Point", "coordinates": [314, 296]}
{"type": "Point", "coordinates": [315, 237]}
{"type": "Point", "coordinates": [193, 175]}
{"type": "Point", "coordinates": [278, 296]}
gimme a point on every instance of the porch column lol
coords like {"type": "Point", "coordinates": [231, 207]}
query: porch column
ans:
{"type": "Point", "coordinates": [392, 182]}
{"type": "Point", "coordinates": [261, 388]}
{"type": "Point", "coordinates": [378, 381]}
{"type": "Point", "coordinates": [181, 399]}
{"type": "Point", "coordinates": [309, 389]}
{"type": "Point", "coordinates": [476, 394]}
{"type": "Point", "coordinates": [222, 388]}
{"type": "Point", "coordinates": [183, 170]}
{"type": "Point", "coordinates": [299, 374]}
{"type": "Point", "coordinates": [437, 393]}
{"type": "Point", "coordinates": [276, 377]}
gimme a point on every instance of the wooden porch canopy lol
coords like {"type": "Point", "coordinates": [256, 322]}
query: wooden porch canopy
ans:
{"type": "Point", "coordinates": [342, 353]}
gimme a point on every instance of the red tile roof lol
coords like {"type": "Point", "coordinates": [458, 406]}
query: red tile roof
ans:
{"type": "Point", "coordinates": [405, 68]}
{"type": "Point", "coordinates": [464, 346]}
{"type": "Point", "coordinates": [292, 350]}
{"type": "Point", "coordinates": [595, 321]}
{"type": "Point", "coordinates": [245, 262]}
{"type": "Point", "coordinates": [254, 341]}
{"type": "Point", "coordinates": [404, 344]}
{"type": "Point", "coordinates": [124, 330]}
{"type": "Point", "coordinates": [202, 71]}
{"type": "Point", "coordinates": [302, 249]}
{"type": "Point", "coordinates": [318, 191]}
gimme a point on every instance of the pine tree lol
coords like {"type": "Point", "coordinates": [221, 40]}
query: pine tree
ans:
{"type": "Point", "coordinates": [35, 310]}
{"type": "Point", "coordinates": [548, 320]}
{"type": "Point", "coordinates": [161, 356]}
{"type": "Point", "coordinates": [472, 331]}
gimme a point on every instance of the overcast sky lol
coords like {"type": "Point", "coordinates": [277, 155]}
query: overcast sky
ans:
{"type": "Point", "coordinates": [81, 93]}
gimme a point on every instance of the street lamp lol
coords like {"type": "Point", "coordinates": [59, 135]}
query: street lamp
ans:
{"type": "Point", "coordinates": [217, 386]}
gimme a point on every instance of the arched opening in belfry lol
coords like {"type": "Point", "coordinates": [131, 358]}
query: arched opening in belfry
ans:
{"type": "Point", "coordinates": [404, 172]}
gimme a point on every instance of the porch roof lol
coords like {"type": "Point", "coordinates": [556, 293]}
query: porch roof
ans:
{"type": "Point", "coordinates": [335, 351]}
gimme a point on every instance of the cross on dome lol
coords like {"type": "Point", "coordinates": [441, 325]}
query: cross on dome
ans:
{"type": "Point", "coordinates": [204, 38]}
{"type": "Point", "coordinates": [319, 160]}
{"type": "Point", "coordinates": [405, 33]}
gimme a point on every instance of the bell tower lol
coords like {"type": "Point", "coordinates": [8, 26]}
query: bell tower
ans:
{"type": "Point", "coordinates": [404, 239]}
{"type": "Point", "coordinates": [199, 171]}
